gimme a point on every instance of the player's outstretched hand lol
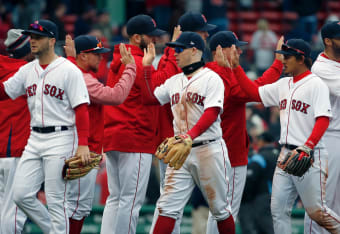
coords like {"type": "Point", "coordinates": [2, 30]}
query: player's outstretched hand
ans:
{"type": "Point", "coordinates": [83, 152]}
{"type": "Point", "coordinates": [279, 47]}
{"type": "Point", "coordinates": [127, 57]}
{"type": "Point", "coordinates": [220, 58]}
{"type": "Point", "coordinates": [234, 57]}
{"type": "Point", "coordinates": [70, 49]}
{"type": "Point", "coordinates": [177, 33]}
{"type": "Point", "coordinates": [149, 55]}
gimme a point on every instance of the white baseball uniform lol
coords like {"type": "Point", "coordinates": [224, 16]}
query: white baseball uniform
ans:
{"type": "Point", "coordinates": [300, 104]}
{"type": "Point", "coordinates": [52, 93]}
{"type": "Point", "coordinates": [329, 71]}
{"type": "Point", "coordinates": [208, 164]}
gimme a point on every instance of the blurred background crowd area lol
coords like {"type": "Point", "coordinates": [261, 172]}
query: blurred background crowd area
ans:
{"type": "Point", "coordinates": [259, 22]}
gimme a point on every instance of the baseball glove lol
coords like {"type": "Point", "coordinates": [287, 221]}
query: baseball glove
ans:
{"type": "Point", "coordinates": [174, 150]}
{"type": "Point", "coordinates": [74, 169]}
{"type": "Point", "coordinates": [298, 161]}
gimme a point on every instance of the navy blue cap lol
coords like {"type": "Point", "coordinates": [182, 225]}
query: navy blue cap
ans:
{"type": "Point", "coordinates": [143, 24]}
{"type": "Point", "coordinates": [89, 44]}
{"type": "Point", "coordinates": [226, 39]}
{"type": "Point", "coordinates": [44, 28]}
{"type": "Point", "coordinates": [331, 30]}
{"type": "Point", "coordinates": [194, 21]}
{"type": "Point", "coordinates": [295, 47]}
{"type": "Point", "coordinates": [188, 40]}
{"type": "Point", "coordinates": [17, 44]}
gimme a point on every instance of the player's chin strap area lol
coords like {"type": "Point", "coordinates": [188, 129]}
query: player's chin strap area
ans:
{"type": "Point", "coordinates": [192, 67]}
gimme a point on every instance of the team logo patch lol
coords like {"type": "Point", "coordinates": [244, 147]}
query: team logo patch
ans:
{"type": "Point", "coordinates": [205, 19]}
{"type": "Point", "coordinates": [154, 23]}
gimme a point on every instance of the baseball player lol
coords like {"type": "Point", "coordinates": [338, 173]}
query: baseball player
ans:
{"type": "Point", "coordinates": [14, 125]}
{"type": "Point", "coordinates": [57, 99]}
{"type": "Point", "coordinates": [194, 22]}
{"type": "Point", "coordinates": [233, 117]}
{"type": "Point", "coordinates": [327, 68]}
{"type": "Point", "coordinates": [305, 111]}
{"type": "Point", "coordinates": [88, 51]}
{"type": "Point", "coordinates": [196, 98]}
{"type": "Point", "coordinates": [129, 133]}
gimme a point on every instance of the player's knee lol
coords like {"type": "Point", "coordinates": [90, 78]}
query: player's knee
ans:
{"type": "Point", "coordinates": [278, 210]}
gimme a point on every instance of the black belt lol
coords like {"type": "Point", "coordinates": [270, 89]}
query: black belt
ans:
{"type": "Point", "coordinates": [49, 129]}
{"type": "Point", "coordinates": [202, 143]}
{"type": "Point", "coordinates": [290, 147]}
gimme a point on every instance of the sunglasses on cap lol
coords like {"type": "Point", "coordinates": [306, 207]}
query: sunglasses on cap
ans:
{"type": "Point", "coordinates": [40, 28]}
{"type": "Point", "coordinates": [99, 46]}
{"type": "Point", "coordinates": [287, 47]}
{"type": "Point", "coordinates": [178, 50]}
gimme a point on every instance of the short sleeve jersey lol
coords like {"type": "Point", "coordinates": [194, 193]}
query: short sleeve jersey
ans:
{"type": "Point", "coordinates": [52, 93]}
{"type": "Point", "coordinates": [329, 72]}
{"type": "Point", "coordinates": [300, 104]}
{"type": "Point", "coordinates": [189, 99]}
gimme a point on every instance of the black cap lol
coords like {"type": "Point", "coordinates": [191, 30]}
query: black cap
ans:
{"type": "Point", "coordinates": [143, 24]}
{"type": "Point", "coordinates": [331, 30]}
{"type": "Point", "coordinates": [44, 28]}
{"type": "Point", "coordinates": [194, 21]}
{"type": "Point", "coordinates": [226, 39]}
{"type": "Point", "coordinates": [188, 40]}
{"type": "Point", "coordinates": [295, 47]}
{"type": "Point", "coordinates": [89, 44]}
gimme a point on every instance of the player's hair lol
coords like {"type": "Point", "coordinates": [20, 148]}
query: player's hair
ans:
{"type": "Point", "coordinates": [307, 61]}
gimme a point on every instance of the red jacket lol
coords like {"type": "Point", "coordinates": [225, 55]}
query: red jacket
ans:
{"type": "Point", "coordinates": [14, 115]}
{"type": "Point", "coordinates": [234, 111]}
{"type": "Point", "coordinates": [132, 126]}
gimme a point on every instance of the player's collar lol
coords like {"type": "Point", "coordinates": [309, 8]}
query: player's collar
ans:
{"type": "Point", "coordinates": [325, 56]}
{"type": "Point", "coordinates": [301, 76]}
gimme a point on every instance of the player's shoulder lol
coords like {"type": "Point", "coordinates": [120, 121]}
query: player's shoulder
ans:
{"type": "Point", "coordinates": [210, 73]}
{"type": "Point", "coordinates": [324, 66]}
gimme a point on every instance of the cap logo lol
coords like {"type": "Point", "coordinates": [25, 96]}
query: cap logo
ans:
{"type": "Point", "coordinates": [338, 23]}
{"type": "Point", "coordinates": [154, 22]}
{"type": "Point", "coordinates": [205, 19]}
{"type": "Point", "coordinates": [192, 43]}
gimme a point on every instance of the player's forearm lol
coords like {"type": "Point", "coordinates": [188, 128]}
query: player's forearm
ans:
{"type": "Point", "coordinates": [206, 120]}
{"type": "Point", "coordinates": [248, 86]}
{"type": "Point", "coordinates": [320, 127]}
{"type": "Point", "coordinates": [82, 123]}
{"type": "Point", "coordinates": [148, 88]}
{"type": "Point", "coordinates": [3, 94]}
{"type": "Point", "coordinates": [112, 95]}
{"type": "Point", "coordinates": [271, 75]}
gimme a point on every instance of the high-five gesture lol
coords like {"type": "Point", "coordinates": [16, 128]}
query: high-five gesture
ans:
{"type": "Point", "coordinates": [149, 55]}
{"type": "Point", "coordinates": [279, 47]}
{"type": "Point", "coordinates": [70, 49]}
{"type": "Point", "coordinates": [220, 57]}
{"type": "Point", "coordinates": [177, 33]}
{"type": "Point", "coordinates": [127, 57]}
{"type": "Point", "coordinates": [234, 57]}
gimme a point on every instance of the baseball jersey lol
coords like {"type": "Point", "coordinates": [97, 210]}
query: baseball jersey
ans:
{"type": "Point", "coordinates": [300, 104]}
{"type": "Point", "coordinates": [329, 71]}
{"type": "Point", "coordinates": [14, 114]}
{"type": "Point", "coordinates": [189, 99]}
{"type": "Point", "coordinates": [52, 93]}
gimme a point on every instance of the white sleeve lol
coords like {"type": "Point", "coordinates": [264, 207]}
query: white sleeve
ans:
{"type": "Point", "coordinates": [15, 86]}
{"type": "Point", "coordinates": [162, 92]}
{"type": "Point", "coordinates": [329, 74]}
{"type": "Point", "coordinates": [214, 93]}
{"type": "Point", "coordinates": [75, 87]}
{"type": "Point", "coordinates": [321, 102]}
{"type": "Point", "coordinates": [269, 94]}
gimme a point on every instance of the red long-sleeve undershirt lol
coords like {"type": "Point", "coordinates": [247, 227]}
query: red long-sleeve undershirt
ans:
{"type": "Point", "coordinates": [82, 123]}
{"type": "Point", "coordinates": [320, 127]}
{"type": "Point", "coordinates": [248, 86]}
{"type": "Point", "coordinates": [205, 121]}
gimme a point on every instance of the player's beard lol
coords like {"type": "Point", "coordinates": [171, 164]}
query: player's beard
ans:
{"type": "Point", "coordinates": [336, 49]}
{"type": "Point", "coordinates": [43, 49]}
{"type": "Point", "coordinates": [143, 45]}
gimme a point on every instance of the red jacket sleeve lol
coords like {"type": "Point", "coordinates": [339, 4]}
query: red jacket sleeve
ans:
{"type": "Point", "coordinates": [271, 75]}
{"type": "Point", "coordinates": [320, 126]}
{"type": "Point", "coordinates": [148, 87]}
{"type": "Point", "coordinates": [248, 86]}
{"type": "Point", "coordinates": [3, 94]}
{"type": "Point", "coordinates": [82, 123]}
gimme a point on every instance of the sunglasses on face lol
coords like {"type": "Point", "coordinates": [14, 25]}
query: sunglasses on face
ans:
{"type": "Point", "coordinates": [40, 28]}
{"type": "Point", "coordinates": [178, 50]}
{"type": "Point", "coordinates": [99, 46]}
